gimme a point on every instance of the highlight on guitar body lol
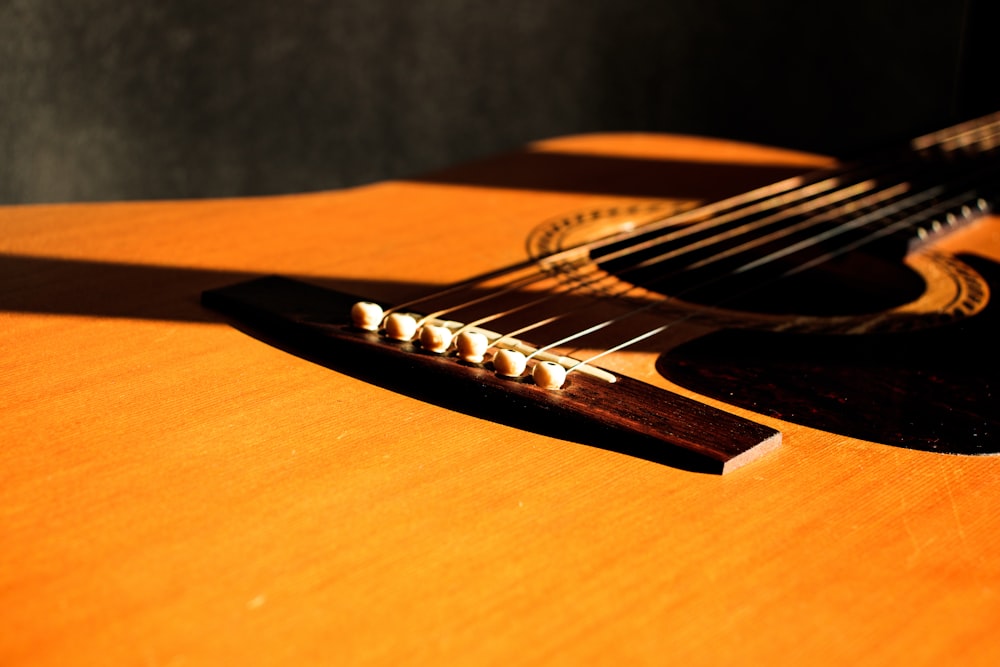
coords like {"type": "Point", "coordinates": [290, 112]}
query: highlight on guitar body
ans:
{"type": "Point", "coordinates": [833, 266]}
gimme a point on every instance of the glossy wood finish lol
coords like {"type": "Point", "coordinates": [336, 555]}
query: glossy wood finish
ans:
{"type": "Point", "coordinates": [174, 491]}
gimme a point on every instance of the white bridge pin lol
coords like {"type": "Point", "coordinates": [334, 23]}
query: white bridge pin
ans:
{"type": "Point", "coordinates": [509, 363]}
{"type": "Point", "coordinates": [548, 375]}
{"type": "Point", "coordinates": [400, 326]}
{"type": "Point", "coordinates": [366, 315]}
{"type": "Point", "coordinates": [471, 346]}
{"type": "Point", "coordinates": [435, 338]}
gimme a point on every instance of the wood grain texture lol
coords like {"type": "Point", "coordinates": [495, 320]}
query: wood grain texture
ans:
{"type": "Point", "coordinates": [176, 492]}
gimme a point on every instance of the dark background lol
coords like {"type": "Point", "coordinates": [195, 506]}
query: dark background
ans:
{"type": "Point", "coordinates": [102, 99]}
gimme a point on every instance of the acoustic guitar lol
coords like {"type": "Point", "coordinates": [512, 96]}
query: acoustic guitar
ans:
{"type": "Point", "coordinates": [612, 399]}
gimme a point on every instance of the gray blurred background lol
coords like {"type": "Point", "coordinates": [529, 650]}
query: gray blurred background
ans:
{"type": "Point", "coordinates": [103, 99]}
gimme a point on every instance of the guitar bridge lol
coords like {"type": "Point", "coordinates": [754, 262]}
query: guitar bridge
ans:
{"type": "Point", "coordinates": [623, 415]}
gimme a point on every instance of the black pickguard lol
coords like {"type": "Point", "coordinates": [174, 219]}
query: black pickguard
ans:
{"type": "Point", "coordinates": [934, 389]}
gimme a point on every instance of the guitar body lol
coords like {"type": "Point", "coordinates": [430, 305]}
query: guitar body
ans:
{"type": "Point", "coordinates": [175, 491]}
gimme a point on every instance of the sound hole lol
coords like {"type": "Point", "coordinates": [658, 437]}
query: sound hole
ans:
{"type": "Point", "coordinates": [852, 284]}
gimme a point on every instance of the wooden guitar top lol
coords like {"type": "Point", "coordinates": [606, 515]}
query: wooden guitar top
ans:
{"type": "Point", "coordinates": [174, 491]}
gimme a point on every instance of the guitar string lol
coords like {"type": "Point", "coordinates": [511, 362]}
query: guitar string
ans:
{"type": "Point", "coordinates": [945, 208]}
{"type": "Point", "coordinates": [829, 214]}
{"type": "Point", "coordinates": [770, 202]}
{"type": "Point", "coordinates": [756, 199]}
{"type": "Point", "coordinates": [896, 159]}
{"type": "Point", "coordinates": [574, 282]}
{"type": "Point", "coordinates": [625, 288]}
{"type": "Point", "coordinates": [876, 215]}
{"type": "Point", "coordinates": [885, 231]}
{"type": "Point", "coordinates": [795, 185]}
{"type": "Point", "coordinates": [552, 263]}
{"type": "Point", "coordinates": [846, 191]}
{"type": "Point", "coordinates": [556, 259]}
